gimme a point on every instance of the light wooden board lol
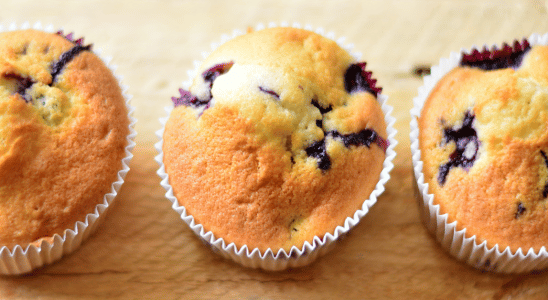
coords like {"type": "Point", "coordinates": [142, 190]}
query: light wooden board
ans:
{"type": "Point", "coordinates": [144, 251]}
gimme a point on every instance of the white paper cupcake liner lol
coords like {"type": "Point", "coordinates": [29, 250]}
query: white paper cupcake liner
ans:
{"type": "Point", "coordinates": [275, 260]}
{"type": "Point", "coordinates": [23, 259]}
{"type": "Point", "coordinates": [458, 243]}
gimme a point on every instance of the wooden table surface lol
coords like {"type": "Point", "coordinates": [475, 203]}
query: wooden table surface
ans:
{"type": "Point", "coordinates": [143, 250]}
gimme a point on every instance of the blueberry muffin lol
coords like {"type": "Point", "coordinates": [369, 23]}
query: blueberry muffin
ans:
{"type": "Point", "coordinates": [483, 137]}
{"type": "Point", "coordinates": [278, 140]}
{"type": "Point", "coordinates": [63, 128]}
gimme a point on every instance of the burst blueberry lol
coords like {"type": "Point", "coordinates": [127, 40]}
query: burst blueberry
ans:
{"type": "Point", "coordinates": [323, 110]}
{"type": "Point", "coordinates": [364, 137]}
{"type": "Point", "coordinates": [64, 59]}
{"type": "Point", "coordinates": [212, 73]}
{"type": "Point", "coordinates": [186, 98]}
{"type": "Point", "coordinates": [318, 150]}
{"type": "Point", "coordinates": [545, 190]}
{"type": "Point", "coordinates": [357, 79]}
{"type": "Point", "coordinates": [520, 210]}
{"type": "Point", "coordinates": [466, 147]}
{"type": "Point", "coordinates": [22, 85]}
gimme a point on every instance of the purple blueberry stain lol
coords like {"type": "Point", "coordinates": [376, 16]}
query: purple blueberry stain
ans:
{"type": "Point", "coordinates": [357, 79]}
{"type": "Point", "coordinates": [270, 92]}
{"type": "Point", "coordinates": [58, 66]}
{"type": "Point", "coordinates": [520, 210]}
{"type": "Point", "coordinates": [323, 110]}
{"type": "Point", "coordinates": [545, 190]}
{"type": "Point", "coordinates": [467, 145]}
{"type": "Point", "coordinates": [318, 150]}
{"type": "Point", "coordinates": [494, 59]}
{"type": "Point", "coordinates": [186, 98]}
{"type": "Point", "coordinates": [365, 137]}
{"type": "Point", "coordinates": [212, 73]}
{"type": "Point", "coordinates": [22, 85]}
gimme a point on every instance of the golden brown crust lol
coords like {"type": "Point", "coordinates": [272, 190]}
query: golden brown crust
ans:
{"type": "Point", "coordinates": [501, 199]}
{"type": "Point", "coordinates": [240, 167]}
{"type": "Point", "coordinates": [61, 151]}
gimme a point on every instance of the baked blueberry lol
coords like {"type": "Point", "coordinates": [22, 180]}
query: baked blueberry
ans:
{"type": "Point", "coordinates": [318, 150]}
{"type": "Point", "coordinates": [357, 79]}
{"type": "Point", "coordinates": [467, 145]}
{"type": "Point", "coordinates": [209, 76]}
{"type": "Point", "coordinates": [545, 190]}
{"type": "Point", "coordinates": [64, 59]}
{"type": "Point", "coordinates": [22, 84]}
{"type": "Point", "coordinates": [520, 210]}
{"type": "Point", "coordinates": [363, 138]}
{"type": "Point", "coordinates": [212, 73]}
{"type": "Point", "coordinates": [323, 110]}
{"type": "Point", "coordinates": [187, 99]}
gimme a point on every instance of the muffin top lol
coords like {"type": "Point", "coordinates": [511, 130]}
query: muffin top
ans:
{"type": "Point", "coordinates": [63, 129]}
{"type": "Point", "coordinates": [278, 140]}
{"type": "Point", "coordinates": [483, 135]}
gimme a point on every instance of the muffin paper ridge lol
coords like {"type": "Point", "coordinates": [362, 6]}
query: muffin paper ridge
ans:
{"type": "Point", "coordinates": [279, 260]}
{"type": "Point", "coordinates": [22, 260]}
{"type": "Point", "coordinates": [456, 242]}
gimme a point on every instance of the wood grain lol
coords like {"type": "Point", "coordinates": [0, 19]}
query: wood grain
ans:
{"type": "Point", "coordinates": [144, 251]}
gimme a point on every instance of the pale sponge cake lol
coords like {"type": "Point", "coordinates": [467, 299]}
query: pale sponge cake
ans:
{"type": "Point", "coordinates": [483, 136]}
{"type": "Point", "coordinates": [279, 139]}
{"type": "Point", "coordinates": [63, 129]}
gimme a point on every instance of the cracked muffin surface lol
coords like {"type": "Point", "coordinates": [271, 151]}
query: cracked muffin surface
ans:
{"type": "Point", "coordinates": [483, 136]}
{"type": "Point", "coordinates": [63, 128]}
{"type": "Point", "coordinates": [279, 139]}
